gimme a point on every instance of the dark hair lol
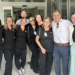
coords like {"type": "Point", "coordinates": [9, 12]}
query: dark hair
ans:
{"type": "Point", "coordinates": [0, 23]}
{"type": "Point", "coordinates": [72, 13]}
{"type": "Point", "coordinates": [40, 15]}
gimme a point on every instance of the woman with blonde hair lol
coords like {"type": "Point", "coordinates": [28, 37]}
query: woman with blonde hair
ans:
{"type": "Point", "coordinates": [45, 35]}
{"type": "Point", "coordinates": [9, 44]}
{"type": "Point", "coordinates": [20, 48]}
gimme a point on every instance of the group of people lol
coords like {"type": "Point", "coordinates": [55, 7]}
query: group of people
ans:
{"type": "Point", "coordinates": [45, 38]}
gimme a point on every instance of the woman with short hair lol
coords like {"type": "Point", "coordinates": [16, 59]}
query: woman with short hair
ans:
{"type": "Point", "coordinates": [44, 40]}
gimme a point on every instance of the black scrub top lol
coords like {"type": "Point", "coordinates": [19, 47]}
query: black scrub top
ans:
{"type": "Point", "coordinates": [20, 38]}
{"type": "Point", "coordinates": [46, 38]}
{"type": "Point", "coordinates": [9, 40]}
{"type": "Point", "coordinates": [31, 34]}
{"type": "Point", "coordinates": [1, 34]}
{"type": "Point", "coordinates": [38, 26]}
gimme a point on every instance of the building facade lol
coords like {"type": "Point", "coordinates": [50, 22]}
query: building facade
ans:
{"type": "Point", "coordinates": [45, 7]}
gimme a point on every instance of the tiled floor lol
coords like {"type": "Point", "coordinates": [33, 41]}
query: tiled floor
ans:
{"type": "Point", "coordinates": [27, 68]}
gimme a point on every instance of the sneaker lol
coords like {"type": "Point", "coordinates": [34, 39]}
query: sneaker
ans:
{"type": "Point", "coordinates": [19, 72]}
{"type": "Point", "coordinates": [23, 71]}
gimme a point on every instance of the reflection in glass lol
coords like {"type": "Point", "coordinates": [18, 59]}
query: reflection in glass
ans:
{"type": "Point", "coordinates": [7, 13]}
{"type": "Point", "coordinates": [72, 7]}
{"type": "Point", "coordinates": [23, 0]}
{"type": "Point", "coordinates": [64, 9]}
{"type": "Point", "coordinates": [41, 11]}
{"type": "Point", "coordinates": [38, 0]}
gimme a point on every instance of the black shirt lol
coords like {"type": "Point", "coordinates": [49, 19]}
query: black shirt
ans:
{"type": "Point", "coordinates": [20, 38]}
{"type": "Point", "coordinates": [46, 38]}
{"type": "Point", "coordinates": [74, 33]}
{"type": "Point", "coordinates": [9, 42]}
{"type": "Point", "coordinates": [38, 26]}
{"type": "Point", "coordinates": [1, 33]}
{"type": "Point", "coordinates": [31, 33]}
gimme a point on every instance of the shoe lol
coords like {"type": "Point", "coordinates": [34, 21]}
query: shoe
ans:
{"type": "Point", "coordinates": [23, 71]}
{"type": "Point", "coordinates": [29, 63]}
{"type": "Point", "coordinates": [36, 72]}
{"type": "Point", "coordinates": [19, 72]}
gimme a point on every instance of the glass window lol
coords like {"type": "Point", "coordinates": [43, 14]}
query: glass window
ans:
{"type": "Point", "coordinates": [38, 0]}
{"type": "Point", "coordinates": [41, 11]}
{"type": "Point", "coordinates": [7, 13]}
{"type": "Point", "coordinates": [16, 0]}
{"type": "Point", "coordinates": [72, 7]}
{"type": "Point", "coordinates": [24, 0]}
{"type": "Point", "coordinates": [64, 9]}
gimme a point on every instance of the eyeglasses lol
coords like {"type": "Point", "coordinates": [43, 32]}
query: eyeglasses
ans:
{"type": "Point", "coordinates": [31, 20]}
{"type": "Point", "coordinates": [57, 25]}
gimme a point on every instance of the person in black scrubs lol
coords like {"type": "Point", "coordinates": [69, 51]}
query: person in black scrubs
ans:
{"type": "Point", "coordinates": [9, 44]}
{"type": "Point", "coordinates": [39, 20]}
{"type": "Point", "coordinates": [1, 50]}
{"type": "Point", "coordinates": [20, 50]}
{"type": "Point", "coordinates": [45, 44]}
{"type": "Point", "coordinates": [32, 29]}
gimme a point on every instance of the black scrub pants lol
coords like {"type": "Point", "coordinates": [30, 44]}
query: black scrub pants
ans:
{"type": "Point", "coordinates": [45, 63]}
{"type": "Point", "coordinates": [8, 55]}
{"type": "Point", "coordinates": [20, 54]}
{"type": "Point", "coordinates": [34, 58]}
{"type": "Point", "coordinates": [1, 53]}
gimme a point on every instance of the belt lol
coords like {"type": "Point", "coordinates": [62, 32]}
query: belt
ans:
{"type": "Point", "coordinates": [66, 44]}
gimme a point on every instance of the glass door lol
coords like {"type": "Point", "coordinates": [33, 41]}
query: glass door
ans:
{"type": "Point", "coordinates": [7, 11]}
{"type": "Point", "coordinates": [54, 6]}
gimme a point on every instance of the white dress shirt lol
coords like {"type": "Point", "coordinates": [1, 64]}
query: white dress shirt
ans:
{"type": "Point", "coordinates": [61, 34]}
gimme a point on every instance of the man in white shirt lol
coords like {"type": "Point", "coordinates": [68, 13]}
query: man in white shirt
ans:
{"type": "Point", "coordinates": [23, 15]}
{"type": "Point", "coordinates": [61, 42]}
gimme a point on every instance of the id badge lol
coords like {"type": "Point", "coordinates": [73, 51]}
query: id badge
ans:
{"type": "Point", "coordinates": [34, 32]}
{"type": "Point", "coordinates": [45, 34]}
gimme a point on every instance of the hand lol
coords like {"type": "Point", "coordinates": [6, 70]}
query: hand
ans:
{"type": "Point", "coordinates": [43, 50]}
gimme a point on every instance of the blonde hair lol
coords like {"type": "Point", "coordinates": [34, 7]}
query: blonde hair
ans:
{"type": "Point", "coordinates": [49, 20]}
{"type": "Point", "coordinates": [13, 24]}
{"type": "Point", "coordinates": [23, 19]}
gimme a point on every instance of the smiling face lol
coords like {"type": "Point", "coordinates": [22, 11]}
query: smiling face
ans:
{"type": "Point", "coordinates": [73, 18]}
{"type": "Point", "coordinates": [23, 14]}
{"type": "Point", "coordinates": [9, 21]}
{"type": "Point", "coordinates": [57, 16]}
{"type": "Point", "coordinates": [46, 23]}
{"type": "Point", "coordinates": [38, 18]}
{"type": "Point", "coordinates": [32, 21]}
{"type": "Point", "coordinates": [23, 22]}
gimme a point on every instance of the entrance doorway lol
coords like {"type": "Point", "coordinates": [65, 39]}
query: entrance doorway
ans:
{"type": "Point", "coordinates": [17, 11]}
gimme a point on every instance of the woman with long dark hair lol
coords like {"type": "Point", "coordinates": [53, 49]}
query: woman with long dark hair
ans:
{"type": "Point", "coordinates": [39, 20]}
{"type": "Point", "coordinates": [31, 31]}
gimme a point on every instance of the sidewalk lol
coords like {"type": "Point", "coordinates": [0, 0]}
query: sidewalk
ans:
{"type": "Point", "coordinates": [27, 69]}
